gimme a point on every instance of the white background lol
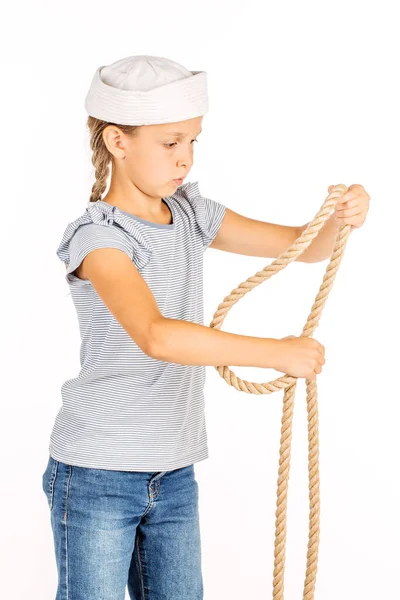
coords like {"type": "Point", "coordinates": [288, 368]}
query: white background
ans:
{"type": "Point", "coordinates": [302, 95]}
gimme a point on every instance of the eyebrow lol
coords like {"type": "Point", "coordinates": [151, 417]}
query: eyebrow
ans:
{"type": "Point", "coordinates": [179, 133]}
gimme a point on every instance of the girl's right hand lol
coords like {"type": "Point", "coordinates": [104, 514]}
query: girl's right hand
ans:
{"type": "Point", "coordinates": [300, 357]}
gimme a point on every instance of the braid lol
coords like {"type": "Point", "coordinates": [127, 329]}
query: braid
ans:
{"type": "Point", "coordinates": [101, 156]}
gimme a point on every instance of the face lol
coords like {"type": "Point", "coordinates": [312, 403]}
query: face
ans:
{"type": "Point", "coordinates": [158, 154]}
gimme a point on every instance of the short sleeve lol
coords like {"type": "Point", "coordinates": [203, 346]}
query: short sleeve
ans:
{"type": "Point", "coordinates": [208, 213]}
{"type": "Point", "coordinates": [91, 236]}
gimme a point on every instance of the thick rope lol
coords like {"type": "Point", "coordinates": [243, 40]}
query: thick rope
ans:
{"type": "Point", "coordinates": [288, 383]}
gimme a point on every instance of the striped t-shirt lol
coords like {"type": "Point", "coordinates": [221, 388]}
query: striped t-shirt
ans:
{"type": "Point", "coordinates": [126, 410]}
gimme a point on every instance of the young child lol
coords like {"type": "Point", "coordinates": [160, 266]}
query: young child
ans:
{"type": "Point", "coordinates": [120, 481]}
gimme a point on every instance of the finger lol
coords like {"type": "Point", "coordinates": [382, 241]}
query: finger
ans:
{"type": "Point", "coordinates": [350, 195]}
{"type": "Point", "coordinates": [348, 214]}
{"type": "Point", "coordinates": [348, 204]}
{"type": "Point", "coordinates": [354, 220]}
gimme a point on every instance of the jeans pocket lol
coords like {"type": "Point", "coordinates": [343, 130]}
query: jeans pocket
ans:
{"type": "Point", "coordinates": [48, 480]}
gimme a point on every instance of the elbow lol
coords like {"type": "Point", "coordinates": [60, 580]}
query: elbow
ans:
{"type": "Point", "coordinates": [154, 345]}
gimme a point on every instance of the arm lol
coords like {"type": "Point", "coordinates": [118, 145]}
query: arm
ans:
{"type": "Point", "coordinates": [242, 235]}
{"type": "Point", "coordinates": [128, 297]}
{"type": "Point", "coordinates": [188, 343]}
{"type": "Point", "coordinates": [321, 247]}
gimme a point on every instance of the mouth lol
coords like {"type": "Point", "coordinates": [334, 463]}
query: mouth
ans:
{"type": "Point", "coordinates": [178, 181]}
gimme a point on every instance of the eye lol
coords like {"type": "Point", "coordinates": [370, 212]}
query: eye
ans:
{"type": "Point", "coordinates": [172, 144]}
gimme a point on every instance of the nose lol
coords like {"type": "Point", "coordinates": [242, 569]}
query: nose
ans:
{"type": "Point", "coordinates": [186, 158]}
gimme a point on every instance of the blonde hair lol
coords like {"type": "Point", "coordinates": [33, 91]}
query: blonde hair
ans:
{"type": "Point", "coordinates": [101, 156]}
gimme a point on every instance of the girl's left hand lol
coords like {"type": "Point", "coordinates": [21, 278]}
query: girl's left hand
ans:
{"type": "Point", "coordinates": [353, 206]}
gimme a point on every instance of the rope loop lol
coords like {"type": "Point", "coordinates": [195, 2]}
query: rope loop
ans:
{"type": "Point", "coordinates": [288, 383]}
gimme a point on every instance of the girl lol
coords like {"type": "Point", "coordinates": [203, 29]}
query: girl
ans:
{"type": "Point", "coordinates": [120, 481]}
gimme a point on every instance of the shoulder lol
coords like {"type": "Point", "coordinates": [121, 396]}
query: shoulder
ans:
{"type": "Point", "coordinates": [83, 236]}
{"type": "Point", "coordinates": [92, 233]}
{"type": "Point", "coordinates": [92, 236]}
{"type": "Point", "coordinates": [204, 213]}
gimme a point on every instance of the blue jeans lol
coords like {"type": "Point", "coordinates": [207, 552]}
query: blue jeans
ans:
{"type": "Point", "coordinates": [117, 529]}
